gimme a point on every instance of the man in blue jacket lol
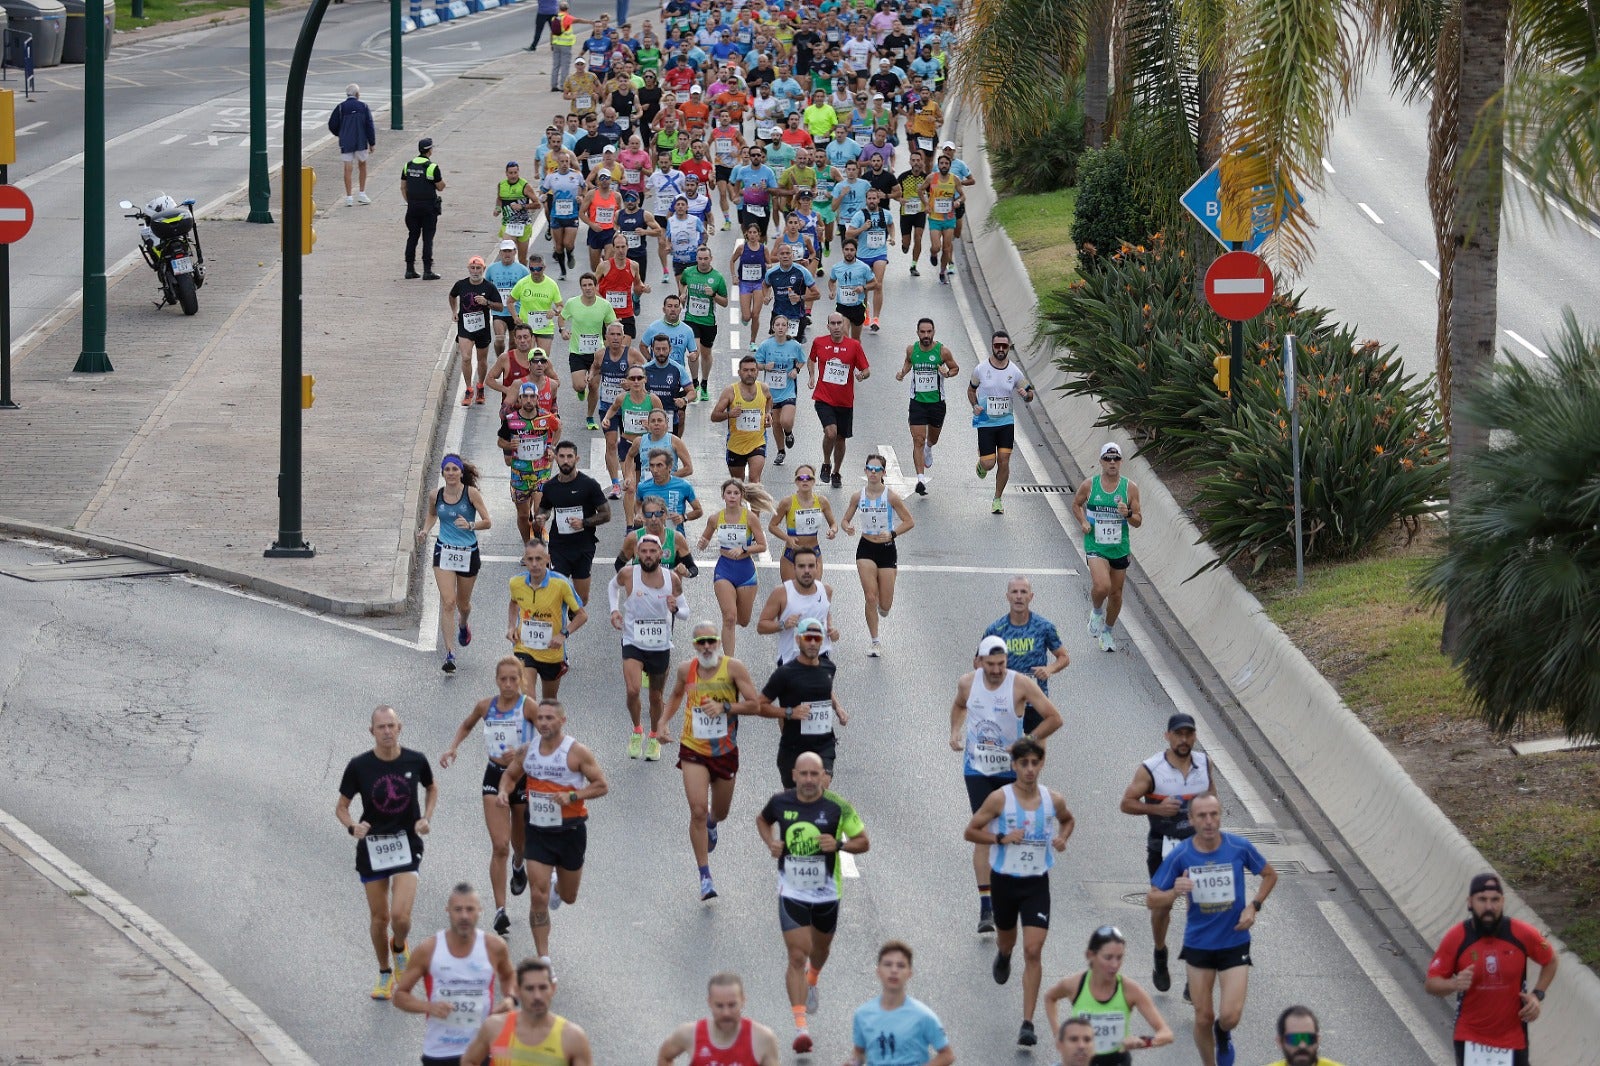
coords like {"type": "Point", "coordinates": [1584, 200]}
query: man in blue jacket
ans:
{"type": "Point", "coordinates": [351, 122]}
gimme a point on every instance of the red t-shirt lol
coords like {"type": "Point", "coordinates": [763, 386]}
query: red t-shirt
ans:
{"type": "Point", "coordinates": [842, 358]}
{"type": "Point", "coordinates": [1488, 1012]}
{"type": "Point", "coordinates": [700, 168]}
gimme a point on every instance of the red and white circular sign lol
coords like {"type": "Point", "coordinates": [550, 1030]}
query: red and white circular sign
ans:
{"type": "Point", "coordinates": [1239, 285]}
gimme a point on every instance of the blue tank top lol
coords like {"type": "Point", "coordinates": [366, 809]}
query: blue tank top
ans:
{"type": "Point", "coordinates": [612, 371]}
{"type": "Point", "coordinates": [448, 512]}
{"type": "Point", "coordinates": [629, 223]}
{"type": "Point", "coordinates": [648, 444]}
{"type": "Point", "coordinates": [752, 260]}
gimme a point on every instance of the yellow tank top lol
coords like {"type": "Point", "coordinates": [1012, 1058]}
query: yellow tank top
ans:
{"type": "Point", "coordinates": [722, 730]}
{"type": "Point", "coordinates": [507, 1050]}
{"type": "Point", "coordinates": [941, 190]}
{"type": "Point", "coordinates": [747, 428]}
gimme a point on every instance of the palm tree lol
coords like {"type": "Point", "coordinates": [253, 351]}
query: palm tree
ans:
{"type": "Point", "coordinates": [1524, 550]}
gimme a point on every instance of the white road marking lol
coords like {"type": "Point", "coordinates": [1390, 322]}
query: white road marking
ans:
{"type": "Point", "coordinates": [1328, 166]}
{"type": "Point", "coordinates": [1429, 267]}
{"type": "Point", "coordinates": [29, 128]}
{"type": "Point", "coordinates": [847, 865]}
{"type": "Point", "coordinates": [1520, 339]}
{"type": "Point", "coordinates": [1386, 986]}
{"type": "Point", "coordinates": [305, 612]}
{"type": "Point", "coordinates": [1582, 224]}
{"type": "Point", "coordinates": [995, 571]}
{"type": "Point", "coordinates": [1371, 214]}
{"type": "Point", "coordinates": [892, 475]}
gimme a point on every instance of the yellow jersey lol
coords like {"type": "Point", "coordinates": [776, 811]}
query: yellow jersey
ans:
{"type": "Point", "coordinates": [541, 613]}
{"type": "Point", "coordinates": [747, 422]}
{"type": "Point", "coordinates": [709, 734]}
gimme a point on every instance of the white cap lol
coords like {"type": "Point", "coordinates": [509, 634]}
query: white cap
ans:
{"type": "Point", "coordinates": [883, 62]}
{"type": "Point", "coordinates": [877, 96]}
{"type": "Point", "coordinates": [990, 645]}
{"type": "Point", "coordinates": [695, 89]}
{"type": "Point", "coordinates": [580, 59]}
{"type": "Point", "coordinates": [1110, 446]}
{"type": "Point", "coordinates": [947, 144]}
{"type": "Point", "coordinates": [508, 246]}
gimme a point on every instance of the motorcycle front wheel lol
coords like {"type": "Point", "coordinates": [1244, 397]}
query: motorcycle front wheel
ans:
{"type": "Point", "coordinates": [187, 298]}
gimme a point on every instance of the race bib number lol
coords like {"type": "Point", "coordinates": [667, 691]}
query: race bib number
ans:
{"type": "Point", "coordinates": [756, 210]}
{"type": "Point", "coordinates": [501, 737]}
{"type": "Point", "coordinates": [990, 760]}
{"type": "Point", "coordinates": [543, 810]}
{"type": "Point", "coordinates": [588, 343]}
{"type": "Point", "coordinates": [925, 379]}
{"type": "Point", "coordinates": [722, 146]}
{"type": "Point", "coordinates": [569, 519]}
{"type": "Point", "coordinates": [1213, 885]}
{"type": "Point", "coordinates": [632, 239]}
{"type": "Point", "coordinates": [863, 137]}
{"type": "Point", "coordinates": [630, 176]}
{"type": "Point", "coordinates": [750, 272]}
{"type": "Point", "coordinates": [877, 240]}
{"type": "Point", "coordinates": [997, 406]}
{"type": "Point", "coordinates": [700, 306]}
{"type": "Point", "coordinates": [710, 726]}
{"type": "Point", "coordinates": [943, 204]}
{"type": "Point", "coordinates": [456, 560]}
{"type": "Point", "coordinates": [1108, 529]}
{"type": "Point", "coordinates": [473, 321]}
{"type": "Point", "coordinates": [390, 851]}
{"type": "Point", "coordinates": [618, 300]}
{"type": "Point", "coordinates": [537, 634]}
{"type": "Point", "coordinates": [911, 205]}
{"type": "Point", "coordinates": [1168, 845]}
{"type": "Point", "coordinates": [749, 421]}
{"type": "Point", "coordinates": [505, 298]}
{"type": "Point", "coordinates": [874, 521]}
{"type": "Point", "coordinates": [468, 1006]}
{"type": "Point", "coordinates": [651, 634]}
{"type": "Point", "coordinates": [808, 522]}
{"type": "Point", "coordinates": [604, 215]}
{"type": "Point", "coordinates": [633, 422]}
{"type": "Point", "coordinates": [732, 537]}
{"type": "Point", "coordinates": [807, 873]}
{"type": "Point", "coordinates": [818, 720]}
{"type": "Point", "coordinates": [1110, 1032]}
{"type": "Point", "coordinates": [566, 207]}
{"type": "Point", "coordinates": [925, 143]}
{"type": "Point", "coordinates": [1026, 859]}
{"type": "Point", "coordinates": [776, 380]}
{"type": "Point", "coordinates": [624, 122]}
{"type": "Point", "coordinates": [849, 295]}
{"type": "Point", "coordinates": [836, 372]}
{"type": "Point", "coordinates": [609, 391]}
{"type": "Point", "coordinates": [516, 229]}
{"type": "Point", "coordinates": [530, 449]}
{"type": "Point", "coordinates": [1484, 1055]}
{"type": "Point", "coordinates": [539, 321]}
{"type": "Point", "coordinates": [584, 102]}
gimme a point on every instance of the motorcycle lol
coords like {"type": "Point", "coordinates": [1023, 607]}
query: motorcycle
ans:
{"type": "Point", "coordinates": [169, 239]}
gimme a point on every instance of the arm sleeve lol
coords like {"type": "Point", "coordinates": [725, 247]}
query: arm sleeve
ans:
{"type": "Point", "coordinates": [349, 785]}
{"type": "Point", "coordinates": [614, 594]}
{"type": "Point", "coordinates": [1444, 960]}
{"type": "Point", "coordinates": [424, 772]}
{"type": "Point", "coordinates": [1166, 874]}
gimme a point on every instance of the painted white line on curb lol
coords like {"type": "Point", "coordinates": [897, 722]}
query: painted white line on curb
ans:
{"type": "Point", "coordinates": [293, 608]}
{"type": "Point", "coordinates": [1429, 267]}
{"type": "Point", "coordinates": [1328, 166]}
{"type": "Point", "coordinates": [1386, 986]}
{"type": "Point", "coordinates": [1520, 339]}
{"type": "Point", "coordinates": [1371, 214]}
{"type": "Point", "coordinates": [275, 1045]}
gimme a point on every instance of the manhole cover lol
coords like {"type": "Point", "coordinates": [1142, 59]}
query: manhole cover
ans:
{"type": "Point", "coordinates": [1137, 899]}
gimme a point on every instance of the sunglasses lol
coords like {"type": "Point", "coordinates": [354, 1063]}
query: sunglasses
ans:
{"type": "Point", "coordinates": [538, 360]}
{"type": "Point", "coordinates": [804, 477]}
{"type": "Point", "coordinates": [1111, 458]}
{"type": "Point", "coordinates": [1110, 931]}
{"type": "Point", "coordinates": [874, 469]}
{"type": "Point", "coordinates": [1300, 1039]}
{"type": "Point", "coordinates": [634, 377]}
{"type": "Point", "coordinates": [536, 270]}
{"type": "Point", "coordinates": [811, 635]}
{"type": "Point", "coordinates": [1001, 346]}
{"type": "Point", "coordinates": [655, 514]}
{"type": "Point", "coordinates": [706, 641]}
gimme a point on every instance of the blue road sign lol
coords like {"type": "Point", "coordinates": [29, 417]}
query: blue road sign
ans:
{"type": "Point", "coordinates": [1203, 200]}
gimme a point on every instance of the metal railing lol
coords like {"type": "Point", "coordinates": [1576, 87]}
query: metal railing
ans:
{"type": "Point", "coordinates": [24, 41]}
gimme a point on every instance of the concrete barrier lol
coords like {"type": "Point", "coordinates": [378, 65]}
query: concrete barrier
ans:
{"type": "Point", "coordinates": [1416, 854]}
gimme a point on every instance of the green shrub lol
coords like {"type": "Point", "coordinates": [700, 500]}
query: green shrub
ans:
{"type": "Point", "coordinates": [1047, 162]}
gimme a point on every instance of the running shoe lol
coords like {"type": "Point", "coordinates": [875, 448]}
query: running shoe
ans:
{"type": "Point", "coordinates": [666, 279]}
{"type": "Point", "coordinates": [652, 749]}
{"type": "Point", "coordinates": [726, 225]}
{"type": "Point", "coordinates": [826, 471]}
{"type": "Point", "coordinates": [583, 395]}
{"type": "Point", "coordinates": [555, 896]}
{"type": "Point", "coordinates": [464, 634]}
{"type": "Point", "coordinates": [1106, 642]}
{"type": "Point", "coordinates": [813, 1003]}
{"type": "Point", "coordinates": [872, 324]}
{"type": "Point", "coordinates": [502, 924]}
{"type": "Point", "coordinates": [922, 487]}
{"type": "Point", "coordinates": [363, 198]}
{"type": "Point", "coordinates": [615, 491]}
{"type": "Point", "coordinates": [1097, 621]}
{"type": "Point", "coordinates": [449, 665]}
{"type": "Point", "coordinates": [986, 922]}
{"type": "Point", "coordinates": [876, 649]}
{"type": "Point", "coordinates": [788, 439]}
{"type": "Point", "coordinates": [349, 201]}
{"type": "Point", "coordinates": [996, 507]}
{"type": "Point", "coordinates": [802, 1042]}
{"type": "Point", "coordinates": [952, 267]}
{"type": "Point", "coordinates": [1001, 968]}
{"type": "Point", "coordinates": [1026, 1036]}
{"type": "Point", "coordinates": [837, 482]}
{"type": "Point", "coordinates": [428, 275]}
{"type": "Point", "coordinates": [915, 272]}
{"type": "Point", "coordinates": [1226, 1052]}
{"type": "Point", "coordinates": [589, 423]}
{"type": "Point", "coordinates": [466, 400]}
{"type": "Point", "coordinates": [704, 394]}
{"type": "Point", "coordinates": [519, 879]}
{"type": "Point", "coordinates": [781, 456]}
{"type": "Point", "coordinates": [1161, 977]}
{"type": "Point", "coordinates": [401, 957]}
{"type": "Point", "coordinates": [707, 889]}
{"type": "Point", "coordinates": [711, 835]}
{"type": "Point", "coordinates": [982, 470]}
{"type": "Point", "coordinates": [385, 985]}
{"type": "Point", "coordinates": [478, 395]}
{"type": "Point", "coordinates": [635, 744]}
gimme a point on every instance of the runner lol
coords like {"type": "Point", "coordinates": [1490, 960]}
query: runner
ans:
{"type": "Point", "coordinates": [1033, 647]}
{"type": "Point", "coordinates": [1023, 824]}
{"type": "Point", "coordinates": [471, 300]}
{"type": "Point", "coordinates": [913, 208]}
{"type": "Point", "coordinates": [577, 507]}
{"type": "Point", "coordinates": [746, 406]}
{"type": "Point", "coordinates": [703, 289]}
{"type": "Point", "coordinates": [727, 1038]}
{"type": "Point", "coordinates": [664, 185]}
{"type": "Point", "coordinates": [645, 602]}
{"type": "Point", "coordinates": [780, 360]}
{"type": "Point", "coordinates": [599, 209]}
{"type": "Point", "coordinates": [884, 518]}
{"type": "Point", "coordinates": [538, 303]}
{"type": "Point", "coordinates": [515, 204]}
{"type": "Point", "coordinates": [793, 290]}
{"type": "Point", "coordinates": [505, 726]}
{"type": "Point", "coordinates": [842, 363]}
{"type": "Point", "coordinates": [562, 777]}
{"type": "Point", "coordinates": [985, 720]}
{"type": "Point", "coordinates": [800, 694]}
{"type": "Point", "coordinates": [460, 966]}
{"type": "Point", "coordinates": [990, 392]}
{"type": "Point", "coordinates": [530, 1034]}
{"type": "Point", "coordinates": [753, 184]}
{"type": "Point", "coordinates": [685, 234]}
{"type": "Point", "coordinates": [929, 363]}
{"type": "Point", "coordinates": [1108, 999]}
{"type": "Point", "coordinates": [456, 558]}
{"type": "Point", "coordinates": [892, 1028]}
{"type": "Point", "coordinates": [668, 382]}
{"type": "Point", "coordinates": [562, 188]}
{"type": "Point", "coordinates": [389, 835]}
{"type": "Point", "coordinates": [714, 689]}
{"type": "Point", "coordinates": [942, 197]}
{"type": "Point", "coordinates": [503, 274]}
{"type": "Point", "coordinates": [848, 283]}
{"type": "Point", "coordinates": [674, 545]}
{"type": "Point", "coordinates": [584, 329]}
{"type": "Point", "coordinates": [736, 528]}
{"type": "Point", "coordinates": [1300, 1038]}
{"type": "Point", "coordinates": [682, 506]}
{"type": "Point", "coordinates": [625, 423]}
{"type": "Point", "coordinates": [1163, 787]}
{"type": "Point", "coordinates": [1210, 867]}
{"type": "Point", "coordinates": [544, 610]}
{"type": "Point", "coordinates": [1483, 962]}
{"type": "Point", "coordinates": [816, 827]}
{"type": "Point", "coordinates": [621, 281]}
{"type": "Point", "coordinates": [612, 367]}
{"type": "Point", "coordinates": [681, 338]}
{"type": "Point", "coordinates": [872, 227]}
{"type": "Point", "coordinates": [749, 264]}
{"type": "Point", "coordinates": [1106, 506]}
{"type": "Point", "coordinates": [800, 520]}
{"type": "Point", "coordinates": [526, 437]}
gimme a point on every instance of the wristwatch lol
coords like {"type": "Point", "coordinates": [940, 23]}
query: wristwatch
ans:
{"type": "Point", "coordinates": [1538, 994]}
{"type": "Point", "coordinates": [1256, 903]}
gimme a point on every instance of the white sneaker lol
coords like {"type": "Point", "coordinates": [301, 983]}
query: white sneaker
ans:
{"type": "Point", "coordinates": [875, 650]}
{"type": "Point", "coordinates": [1106, 643]}
{"type": "Point", "coordinates": [555, 897]}
{"type": "Point", "coordinates": [363, 198]}
{"type": "Point", "coordinates": [349, 201]}
{"type": "Point", "coordinates": [927, 456]}
{"type": "Point", "coordinates": [1097, 622]}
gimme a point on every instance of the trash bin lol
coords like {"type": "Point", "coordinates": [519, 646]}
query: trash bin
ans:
{"type": "Point", "coordinates": [74, 47]}
{"type": "Point", "coordinates": [46, 21]}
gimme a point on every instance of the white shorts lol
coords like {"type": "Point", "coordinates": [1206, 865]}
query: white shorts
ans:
{"type": "Point", "coordinates": [354, 157]}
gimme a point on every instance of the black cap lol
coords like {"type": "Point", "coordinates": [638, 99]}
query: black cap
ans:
{"type": "Point", "coordinates": [1485, 883]}
{"type": "Point", "coordinates": [424, 145]}
{"type": "Point", "coordinates": [1180, 721]}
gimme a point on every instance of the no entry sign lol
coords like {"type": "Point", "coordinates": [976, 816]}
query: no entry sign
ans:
{"type": "Point", "coordinates": [1239, 285]}
{"type": "Point", "coordinates": [16, 214]}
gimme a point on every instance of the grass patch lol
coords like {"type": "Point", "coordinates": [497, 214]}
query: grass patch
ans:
{"type": "Point", "coordinates": [158, 11]}
{"type": "Point", "coordinates": [1382, 648]}
{"type": "Point", "coordinates": [1040, 225]}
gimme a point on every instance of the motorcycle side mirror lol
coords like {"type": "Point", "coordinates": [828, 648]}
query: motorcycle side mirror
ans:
{"type": "Point", "coordinates": [126, 205]}
{"type": "Point", "coordinates": [188, 203]}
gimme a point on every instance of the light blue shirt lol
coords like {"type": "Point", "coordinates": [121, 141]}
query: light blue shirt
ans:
{"type": "Point", "coordinates": [851, 276]}
{"type": "Point", "coordinates": [682, 338]}
{"type": "Point", "coordinates": [502, 277]}
{"type": "Point", "coordinates": [784, 357]}
{"type": "Point", "coordinates": [852, 195]}
{"type": "Point", "coordinates": [873, 242]}
{"type": "Point", "coordinates": [906, 1036]}
{"type": "Point", "coordinates": [841, 152]}
{"type": "Point", "coordinates": [788, 90]}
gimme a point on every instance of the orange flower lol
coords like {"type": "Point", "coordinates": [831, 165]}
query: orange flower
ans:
{"type": "Point", "coordinates": [1378, 448]}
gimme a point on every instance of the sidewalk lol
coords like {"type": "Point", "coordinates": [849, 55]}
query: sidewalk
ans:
{"type": "Point", "coordinates": [174, 455]}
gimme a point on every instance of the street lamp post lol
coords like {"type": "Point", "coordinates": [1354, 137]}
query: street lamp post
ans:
{"type": "Point", "coordinates": [260, 183]}
{"type": "Point", "coordinates": [92, 359]}
{"type": "Point", "coordinates": [397, 117]}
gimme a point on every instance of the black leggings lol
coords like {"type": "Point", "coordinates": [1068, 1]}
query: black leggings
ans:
{"type": "Point", "coordinates": [539, 24]}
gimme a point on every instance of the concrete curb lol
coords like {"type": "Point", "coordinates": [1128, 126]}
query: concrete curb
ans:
{"type": "Point", "coordinates": [155, 940]}
{"type": "Point", "coordinates": [1417, 855]}
{"type": "Point", "coordinates": [159, 30]}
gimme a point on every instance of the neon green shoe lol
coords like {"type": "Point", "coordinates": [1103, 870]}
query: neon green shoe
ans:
{"type": "Point", "coordinates": [652, 749]}
{"type": "Point", "coordinates": [982, 472]}
{"type": "Point", "coordinates": [635, 744]}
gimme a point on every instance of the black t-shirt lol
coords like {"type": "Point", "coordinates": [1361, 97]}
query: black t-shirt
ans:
{"type": "Point", "coordinates": [388, 790]}
{"type": "Point", "coordinates": [463, 292]}
{"type": "Point", "coordinates": [803, 40]}
{"type": "Point", "coordinates": [886, 82]}
{"type": "Point", "coordinates": [795, 683]}
{"type": "Point", "coordinates": [582, 491]}
{"type": "Point", "coordinates": [884, 181]}
{"type": "Point", "coordinates": [593, 144]}
{"type": "Point", "coordinates": [895, 43]}
{"type": "Point", "coordinates": [759, 77]}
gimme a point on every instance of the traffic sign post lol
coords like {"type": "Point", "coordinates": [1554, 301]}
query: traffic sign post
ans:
{"type": "Point", "coordinates": [1203, 200]}
{"type": "Point", "coordinates": [16, 218]}
{"type": "Point", "coordinates": [1239, 286]}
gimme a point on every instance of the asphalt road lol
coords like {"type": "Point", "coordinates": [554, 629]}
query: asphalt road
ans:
{"type": "Point", "coordinates": [185, 745]}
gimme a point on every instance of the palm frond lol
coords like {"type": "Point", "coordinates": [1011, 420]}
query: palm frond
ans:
{"type": "Point", "coordinates": [1410, 31]}
{"type": "Point", "coordinates": [1012, 57]}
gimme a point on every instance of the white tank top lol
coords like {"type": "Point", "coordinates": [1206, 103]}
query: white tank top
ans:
{"type": "Point", "coordinates": [1034, 856]}
{"type": "Point", "coordinates": [993, 725]}
{"type": "Point", "coordinates": [468, 986]}
{"type": "Point", "coordinates": [505, 729]}
{"type": "Point", "coordinates": [553, 768]}
{"type": "Point", "coordinates": [646, 621]}
{"type": "Point", "coordinates": [873, 513]}
{"type": "Point", "coordinates": [797, 606]}
{"type": "Point", "coordinates": [1168, 780]}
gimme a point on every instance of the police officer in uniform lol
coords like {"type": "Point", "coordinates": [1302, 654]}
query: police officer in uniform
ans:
{"type": "Point", "coordinates": [420, 184]}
